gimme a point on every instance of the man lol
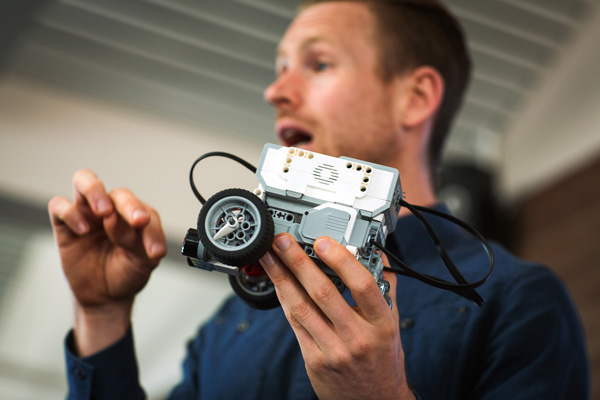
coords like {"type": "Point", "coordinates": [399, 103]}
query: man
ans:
{"type": "Point", "coordinates": [378, 81]}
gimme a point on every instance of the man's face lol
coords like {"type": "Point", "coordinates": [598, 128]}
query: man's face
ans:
{"type": "Point", "coordinates": [328, 96]}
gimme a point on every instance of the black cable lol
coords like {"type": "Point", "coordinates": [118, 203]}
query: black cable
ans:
{"type": "Point", "coordinates": [462, 287]}
{"type": "Point", "coordinates": [213, 154]}
{"type": "Point", "coordinates": [468, 292]}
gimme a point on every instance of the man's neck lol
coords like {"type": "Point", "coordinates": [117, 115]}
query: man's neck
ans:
{"type": "Point", "coordinates": [417, 186]}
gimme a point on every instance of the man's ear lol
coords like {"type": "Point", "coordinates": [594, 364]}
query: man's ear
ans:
{"type": "Point", "coordinates": [425, 87]}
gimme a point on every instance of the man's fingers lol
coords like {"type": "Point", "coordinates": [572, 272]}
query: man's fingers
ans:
{"type": "Point", "coordinates": [89, 192]}
{"type": "Point", "coordinates": [322, 293]}
{"type": "Point", "coordinates": [288, 287]}
{"type": "Point", "coordinates": [308, 346]}
{"type": "Point", "coordinates": [357, 278]}
{"type": "Point", "coordinates": [90, 202]}
{"type": "Point", "coordinates": [130, 208]}
{"type": "Point", "coordinates": [301, 311]}
{"type": "Point", "coordinates": [139, 216]}
{"type": "Point", "coordinates": [154, 239]}
{"type": "Point", "coordinates": [64, 214]}
{"type": "Point", "coordinates": [126, 220]}
{"type": "Point", "coordinates": [135, 226]}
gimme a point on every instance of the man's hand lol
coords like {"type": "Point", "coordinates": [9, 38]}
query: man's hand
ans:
{"type": "Point", "coordinates": [109, 243]}
{"type": "Point", "coordinates": [350, 352]}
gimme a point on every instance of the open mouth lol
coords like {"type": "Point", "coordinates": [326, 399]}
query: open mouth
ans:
{"type": "Point", "coordinates": [294, 137]}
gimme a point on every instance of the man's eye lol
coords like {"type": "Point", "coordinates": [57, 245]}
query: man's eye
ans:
{"type": "Point", "coordinates": [319, 66]}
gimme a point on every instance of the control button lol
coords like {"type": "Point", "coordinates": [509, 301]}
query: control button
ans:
{"type": "Point", "coordinates": [243, 326]}
{"type": "Point", "coordinates": [80, 374]}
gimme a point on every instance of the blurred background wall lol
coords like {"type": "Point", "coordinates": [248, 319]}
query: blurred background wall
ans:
{"type": "Point", "coordinates": [136, 90]}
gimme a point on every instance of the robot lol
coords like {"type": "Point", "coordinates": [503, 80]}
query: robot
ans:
{"type": "Point", "coordinates": [307, 195]}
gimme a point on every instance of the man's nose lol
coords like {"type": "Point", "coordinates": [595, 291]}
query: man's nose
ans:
{"type": "Point", "coordinates": [285, 91]}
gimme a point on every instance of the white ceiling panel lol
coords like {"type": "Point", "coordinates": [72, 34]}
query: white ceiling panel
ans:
{"type": "Point", "coordinates": [207, 62]}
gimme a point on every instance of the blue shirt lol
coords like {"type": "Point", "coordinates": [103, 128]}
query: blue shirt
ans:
{"type": "Point", "coordinates": [526, 342]}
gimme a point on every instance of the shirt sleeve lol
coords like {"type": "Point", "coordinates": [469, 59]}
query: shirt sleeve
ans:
{"type": "Point", "coordinates": [536, 348]}
{"type": "Point", "coordinates": [109, 374]}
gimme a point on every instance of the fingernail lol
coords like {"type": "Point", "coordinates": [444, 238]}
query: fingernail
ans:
{"type": "Point", "coordinates": [156, 249]}
{"type": "Point", "coordinates": [267, 260]}
{"type": "Point", "coordinates": [102, 205]}
{"type": "Point", "coordinates": [138, 214]}
{"type": "Point", "coordinates": [322, 245]}
{"type": "Point", "coordinates": [283, 243]}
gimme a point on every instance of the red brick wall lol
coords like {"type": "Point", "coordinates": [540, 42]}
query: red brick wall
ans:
{"type": "Point", "coordinates": [560, 227]}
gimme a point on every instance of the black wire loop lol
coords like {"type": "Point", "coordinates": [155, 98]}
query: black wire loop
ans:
{"type": "Point", "coordinates": [215, 154]}
{"type": "Point", "coordinates": [462, 287]}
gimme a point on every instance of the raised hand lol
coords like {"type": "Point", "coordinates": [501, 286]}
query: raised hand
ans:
{"type": "Point", "coordinates": [109, 243]}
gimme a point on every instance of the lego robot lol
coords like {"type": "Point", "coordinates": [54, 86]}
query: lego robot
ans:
{"type": "Point", "coordinates": [307, 195]}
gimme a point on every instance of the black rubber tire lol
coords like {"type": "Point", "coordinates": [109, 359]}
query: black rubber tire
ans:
{"type": "Point", "coordinates": [261, 236]}
{"type": "Point", "coordinates": [246, 289]}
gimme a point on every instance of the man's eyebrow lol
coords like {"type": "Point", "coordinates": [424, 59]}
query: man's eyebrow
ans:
{"type": "Point", "coordinates": [305, 44]}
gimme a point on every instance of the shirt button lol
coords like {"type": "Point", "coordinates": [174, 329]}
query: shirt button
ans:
{"type": "Point", "coordinates": [406, 323]}
{"type": "Point", "coordinates": [243, 326]}
{"type": "Point", "coordinates": [462, 309]}
{"type": "Point", "coordinates": [80, 374]}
